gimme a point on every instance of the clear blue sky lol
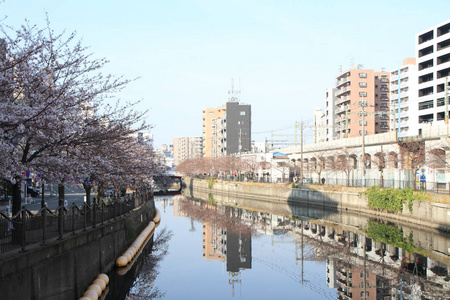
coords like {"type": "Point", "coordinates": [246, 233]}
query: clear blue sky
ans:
{"type": "Point", "coordinates": [283, 53]}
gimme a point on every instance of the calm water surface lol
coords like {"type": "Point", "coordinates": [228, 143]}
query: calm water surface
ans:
{"type": "Point", "coordinates": [204, 250]}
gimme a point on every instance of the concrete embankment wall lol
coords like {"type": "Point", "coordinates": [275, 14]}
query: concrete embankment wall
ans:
{"type": "Point", "coordinates": [63, 269]}
{"type": "Point", "coordinates": [425, 213]}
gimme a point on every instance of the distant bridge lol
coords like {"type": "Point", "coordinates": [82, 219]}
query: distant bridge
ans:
{"type": "Point", "coordinates": [167, 185]}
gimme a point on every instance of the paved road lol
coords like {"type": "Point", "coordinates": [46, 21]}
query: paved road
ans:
{"type": "Point", "coordinates": [72, 195]}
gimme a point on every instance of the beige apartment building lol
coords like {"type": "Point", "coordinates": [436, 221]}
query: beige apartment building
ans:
{"type": "Point", "coordinates": [213, 123]}
{"type": "Point", "coordinates": [359, 90]}
{"type": "Point", "coordinates": [186, 148]}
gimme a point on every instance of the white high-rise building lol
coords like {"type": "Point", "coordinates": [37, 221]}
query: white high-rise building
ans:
{"type": "Point", "coordinates": [433, 71]}
{"type": "Point", "coordinates": [145, 138]}
{"type": "Point", "coordinates": [404, 100]}
{"type": "Point", "coordinates": [320, 130]}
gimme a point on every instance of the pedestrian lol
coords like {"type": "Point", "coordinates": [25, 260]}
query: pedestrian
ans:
{"type": "Point", "coordinates": [323, 180]}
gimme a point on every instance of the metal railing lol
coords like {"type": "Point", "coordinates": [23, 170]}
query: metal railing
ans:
{"type": "Point", "coordinates": [27, 227]}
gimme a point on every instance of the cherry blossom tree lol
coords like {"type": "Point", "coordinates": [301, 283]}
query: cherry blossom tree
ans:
{"type": "Point", "coordinates": [54, 111]}
{"type": "Point", "coordinates": [412, 157]}
{"type": "Point", "coordinates": [346, 163]}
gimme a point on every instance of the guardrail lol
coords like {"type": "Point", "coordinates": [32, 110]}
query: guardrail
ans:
{"type": "Point", "coordinates": [26, 228]}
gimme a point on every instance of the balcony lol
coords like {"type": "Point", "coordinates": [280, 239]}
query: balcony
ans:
{"type": "Point", "coordinates": [342, 91]}
{"type": "Point", "coordinates": [341, 100]}
{"type": "Point", "coordinates": [384, 89]}
{"type": "Point", "coordinates": [341, 82]}
{"type": "Point", "coordinates": [384, 80]}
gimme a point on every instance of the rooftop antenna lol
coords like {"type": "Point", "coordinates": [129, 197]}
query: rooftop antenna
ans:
{"type": "Point", "coordinates": [233, 95]}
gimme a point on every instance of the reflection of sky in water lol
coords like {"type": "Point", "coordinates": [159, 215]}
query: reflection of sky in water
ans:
{"type": "Point", "coordinates": [186, 274]}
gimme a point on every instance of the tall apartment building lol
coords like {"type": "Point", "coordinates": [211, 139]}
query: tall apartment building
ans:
{"type": "Point", "coordinates": [186, 148]}
{"type": "Point", "coordinates": [227, 129]}
{"type": "Point", "coordinates": [404, 100]}
{"type": "Point", "coordinates": [354, 86]}
{"type": "Point", "coordinates": [330, 107]}
{"type": "Point", "coordinates": [433, 74]}
{"type": "Point", "coordinates": [213, 122]}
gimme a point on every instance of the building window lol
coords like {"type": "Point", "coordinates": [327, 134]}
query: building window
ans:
{"type": "Point", "coordinates": [426, 105]}
{"type": "Point", "coordinates": [242, 113]}
{"type": "Point", "coordinates": [363, 84]}
{"type": "Point", "coordinates": [362, 75]}
{"type": "Point", "coordinates": [362, 94]}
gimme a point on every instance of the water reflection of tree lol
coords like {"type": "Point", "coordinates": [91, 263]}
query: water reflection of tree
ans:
{"type": "Point", "coordinates": [143, 286]}
{"type": "Point", "coordinates": [222, 216]}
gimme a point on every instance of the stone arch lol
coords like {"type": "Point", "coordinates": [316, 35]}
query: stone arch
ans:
{"type": "Point", "coordinates": [392, 161]}
{"type": "Point", "coordinates": [341, 161]}
{"type": "Point", "coordinates": [368, 160]}
{"type": "Point", "coordinates": [436, 158]}
{"type": "Point", "coordinates": [330, 163]}
{"type": "Point", "coordinates": [322, 162]}
{"type": "Point", "coordinates": [380, 160]}
{"type": "Point", "coordinates": [313, 163]}
{"type": "Point", "coordinates": [353, 161]}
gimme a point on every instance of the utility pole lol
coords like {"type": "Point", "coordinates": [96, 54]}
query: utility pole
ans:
{"type": "Point", "coordinates": [363, 104]}
{"type": "Point", "coordinates": [346, 121]}
{"type": "Point", "coordinates": [271, 140]}
{"type": "Point", "coordinates": [446, 100]}
{"type": "Point", "coordinates": [398, 104]}
{"type": "Point", "coordinates": [301, 152]}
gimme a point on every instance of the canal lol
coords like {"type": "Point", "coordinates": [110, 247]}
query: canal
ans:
{"type": "Point", "coordinates": [207, 250]}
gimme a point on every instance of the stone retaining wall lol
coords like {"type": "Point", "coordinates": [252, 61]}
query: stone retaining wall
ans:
{"type": "Point", "coordinates": [63, 269]}
{"type": "Point", "coordinates": [425, 213]}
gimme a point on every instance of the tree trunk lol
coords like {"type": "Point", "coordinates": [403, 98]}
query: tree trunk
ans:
{"type": "Point", "coordinates": [60, 194]}
{"type": "Point", "coordinates": [43, 196]}
{"type": "Point", "coordinates": [87, 188]}
{"type": "Point", "coordinates": [61, 208]}
{"type": "Point", "coordinates": [16, 207]}
{"type": "Point", "coordinates": [17, 197]}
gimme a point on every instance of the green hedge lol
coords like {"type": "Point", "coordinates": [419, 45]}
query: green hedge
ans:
{"type": "Point", "coordinates": [392, 200]}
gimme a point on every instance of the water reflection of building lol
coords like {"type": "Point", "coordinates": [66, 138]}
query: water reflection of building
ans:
{"type": "Point", "coordinates": [356, 282]}
{"type": "Point", "coordinates": [226, 240]}
{"type": "Point", "coordinates": [213, 242]}
{"type": "Point", "coordinates": [388, 271]}
{"type": "Point", "coordinates": [239, 255]}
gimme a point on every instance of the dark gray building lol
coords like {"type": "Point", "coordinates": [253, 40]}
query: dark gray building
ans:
{"type": "Point", "coordinates": [238, 128]}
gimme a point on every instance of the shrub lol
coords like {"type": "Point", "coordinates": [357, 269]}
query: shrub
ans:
{"type": "Point", "coordinates": [211, 182]}
{"type": "Point", "coordinates": [392, 200]}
